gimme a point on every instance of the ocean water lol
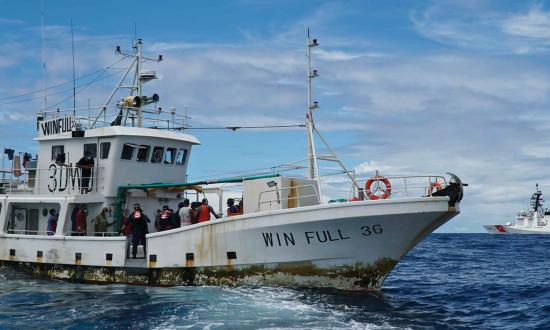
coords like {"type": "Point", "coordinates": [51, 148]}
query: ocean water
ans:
{"type": "Point", "coordinates": [449, 281]}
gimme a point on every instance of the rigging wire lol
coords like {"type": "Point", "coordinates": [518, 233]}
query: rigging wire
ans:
{"type": "Point", "coordinates": [57, 85]}
{"type": "Point", "coordinates": [83, 87]}
{"type": "Point", "coordinates": [65, 90]}
{"type": "Point", "coordinates": [234, 128]}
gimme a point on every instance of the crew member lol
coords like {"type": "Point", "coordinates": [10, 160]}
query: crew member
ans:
{"type": "Point", "coordinates": [81, 221]}
{"type": "Point", "coordinates": [139, 229]}
{"type": "Point", "coordinates": [185, 216]}
{"type": "Point", "coordinates": [52, 222]}
{"type": "Point", "coordinates": [86, 164]}
{"type": "Point", "coordinates": [166, 219]}
{"type": "Point", "coordinates": [101, 222]}
{"type": "Point", "coordinates": [204, 211]}
{"type": "Point", "coordinates": [231, 208]}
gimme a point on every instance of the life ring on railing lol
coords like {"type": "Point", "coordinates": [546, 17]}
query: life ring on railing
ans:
{"type": "Point", "coordinates": [435, 185]}
{"type": "Point", "coordinates": [386, 191]}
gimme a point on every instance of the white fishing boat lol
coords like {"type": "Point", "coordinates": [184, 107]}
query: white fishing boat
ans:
{"type": "Point", "coordinates": [284, 232]}
{"type": "Point", "coordinates": [535, 221]}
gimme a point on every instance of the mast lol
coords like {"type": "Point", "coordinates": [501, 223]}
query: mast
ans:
{"type": "Point", "coordinates": [43, 54]}
{"type": "Point", "coordinates": [313, 158]}
{"type": "Point", "coordinates": [313, 170]}
{"type": "Point", "coordinates": [131, 103]}
{"type": "Point", "coordinates": [536, 199]}
{"type": "Point", "coordinates": [74, 75]}
{"type": "Point", "coordinates": [139, 83]}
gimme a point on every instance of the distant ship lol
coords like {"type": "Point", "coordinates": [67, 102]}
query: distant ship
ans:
{"type": "Point", "coordinates": [535, 221]}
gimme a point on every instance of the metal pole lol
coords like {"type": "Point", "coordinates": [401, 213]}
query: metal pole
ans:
{"type": "Point", "coordinates": [311, 173]}
{"type": "Point", "coordinates": [138, 68]}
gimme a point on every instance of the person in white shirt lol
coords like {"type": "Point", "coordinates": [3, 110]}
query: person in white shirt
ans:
{"type": "Point", "coordinates": [183, 212]}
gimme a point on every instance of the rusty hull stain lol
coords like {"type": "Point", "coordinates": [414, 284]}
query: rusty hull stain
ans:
{"type": "Point", "coordinates": [350, 277]}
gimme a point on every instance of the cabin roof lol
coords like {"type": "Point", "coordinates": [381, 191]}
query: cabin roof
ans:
{"type": "Point", "coordinates": [125, 131]}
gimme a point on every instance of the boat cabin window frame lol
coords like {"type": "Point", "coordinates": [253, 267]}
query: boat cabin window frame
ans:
{"type": "Point", "coordinates": [171, 153]}
{"type": "Point", "coordinates": [127, 154]}
{"type": "Point", "coordinates": [34, 215]}
{"type": "Point", "coordinates": [181, 156]}
{"type": "Point", "coordinates": [90, 147]}
{"type": "Point", "coordinates": [57, 151]}
{"type": "Point", "coordinates": [158, 155]}
{"type": "Point", "coordinates": [104, 148]}
{"type": "Point", "coordinates": [143, 148]}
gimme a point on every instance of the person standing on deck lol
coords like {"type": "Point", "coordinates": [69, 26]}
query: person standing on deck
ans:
{"type": "Point", "coordinates": [86, 164]}
{"type": "Point", "coordinates": [52, 222]}
{"type": "Point", "coordinates": [101, 222]}
{"type": "Point", "coordinates": [126, 229]}
{"type": "Point", "coordinates": [81, 221]}
{"type": "Point", "coordinates": [205, 210]}
{"type": "Point", "coordinates": [185, 216]}
{"type": "Point", "coordinates": [231, 208]}
{"type": "Point", "coordinates": [166, 219]}
{"type": "Point", "coordinates": [73, 219]}
{"type": "Point", "coordinates": [139, 229]}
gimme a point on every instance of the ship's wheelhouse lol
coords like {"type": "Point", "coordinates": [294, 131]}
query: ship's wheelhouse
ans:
{"type": "Point", "coordinates": [121, 156]}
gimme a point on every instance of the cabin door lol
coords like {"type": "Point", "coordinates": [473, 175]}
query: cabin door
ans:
{"type": "Point", "coordinates": [103, 155]}
{"type": "Point", "coordinates": [32, 222]}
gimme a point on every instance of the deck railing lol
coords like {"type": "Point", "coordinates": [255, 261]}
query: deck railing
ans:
{"type": "Point", "coordinates": [298, 198]}
{"type": "Point", "coordinates": [404, 186]}
{"type": "Point", "coordinates": [54, 180]}
{"type": "Point", "coordinates": [93, 117]}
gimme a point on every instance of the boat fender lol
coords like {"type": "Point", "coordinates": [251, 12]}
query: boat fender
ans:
{"type": "Point", "coordinates": [386, 191]}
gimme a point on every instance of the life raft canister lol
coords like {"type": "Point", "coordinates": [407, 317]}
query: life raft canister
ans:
{"type": "Point", "coordinates": [387, 189]}
{"type": "Point", "coordinates": [435, 185]}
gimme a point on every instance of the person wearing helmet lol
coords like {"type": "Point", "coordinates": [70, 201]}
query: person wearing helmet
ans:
{"type": "Point", "coordinates": [139, 221]}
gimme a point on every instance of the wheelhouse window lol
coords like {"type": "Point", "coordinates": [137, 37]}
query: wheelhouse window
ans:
{"type": "Point", "coordinates": [143, 153]}
{"type": "Point", "coordinates": [170, 155]}
{"type": "Point", "coordinates": [91, 148]}
{"type": "Point", "coordinates": [104, 149]}
{"type": "Point", "coordinates": [127, 151]}
{"type": "Point", "coordinates": [58, 152]}
{"type": "Point", "coordinates": [182, 155]}
{"type": "Point", "coordinates": [158, 153]}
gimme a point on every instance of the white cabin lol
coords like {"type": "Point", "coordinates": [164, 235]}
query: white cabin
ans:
{"type": "Point", "coordinates": [122, 156]}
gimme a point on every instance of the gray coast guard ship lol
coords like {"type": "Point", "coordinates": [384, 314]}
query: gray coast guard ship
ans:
{"type": "Point", "coordinates": [286, 235]}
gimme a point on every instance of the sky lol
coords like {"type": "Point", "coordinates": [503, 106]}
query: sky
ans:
{"type": "Point", "coordinates": [405, 87]}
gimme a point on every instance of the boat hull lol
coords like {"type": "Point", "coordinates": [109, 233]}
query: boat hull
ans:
{"type": "Point", "coordinates": [350, 246]}
{"type": "Point", "coordinates": [504, 230]}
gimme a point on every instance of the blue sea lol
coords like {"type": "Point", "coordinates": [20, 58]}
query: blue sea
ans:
{"type": "Point", "coordinates": [449, 281]}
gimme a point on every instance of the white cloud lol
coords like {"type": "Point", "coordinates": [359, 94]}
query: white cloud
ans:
{"type": "Point", "coordinates": [535, 24]}
{"type": "Point", "coordinates": [478, 25]}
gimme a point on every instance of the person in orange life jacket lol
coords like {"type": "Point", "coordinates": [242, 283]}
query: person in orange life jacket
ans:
{"type": "Point", "coordinates": [231, 208]}
{"type": "Point", "coordinates": [204, 211]}
{"type": "Point", "coordinates": [166, 219]}
{"type": "Point", "coordinates": [139, 228]}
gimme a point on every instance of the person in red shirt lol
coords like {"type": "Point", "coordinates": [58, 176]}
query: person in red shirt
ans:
{"type": "Point", "coordinates": [81, 224]}
{"type": "Point", "coordinates": [204, 211]}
